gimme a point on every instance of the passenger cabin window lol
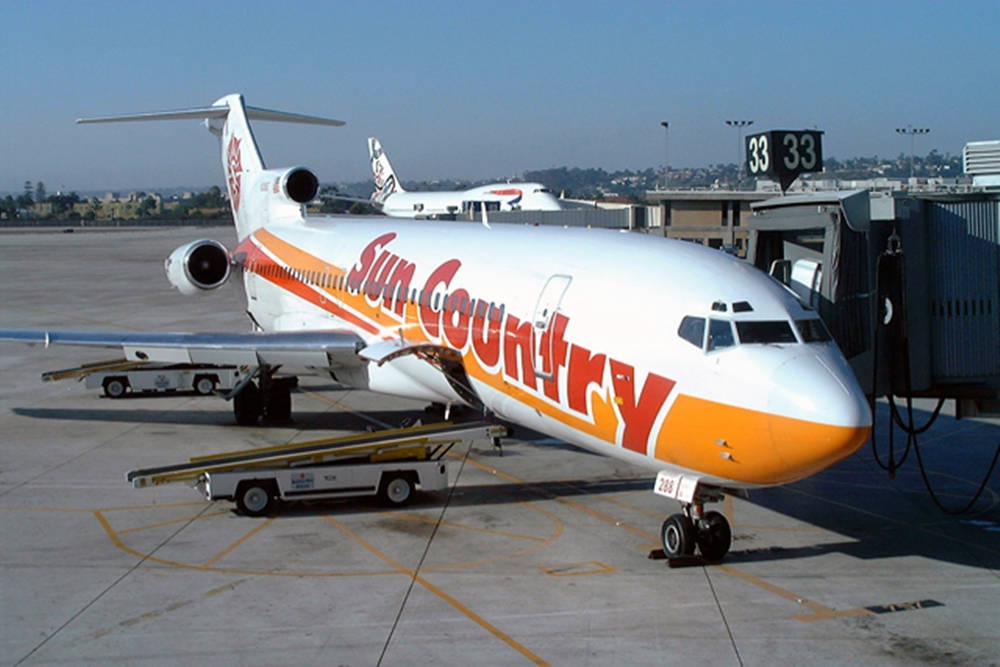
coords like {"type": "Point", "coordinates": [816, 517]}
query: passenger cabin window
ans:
{"type": "Point", "coordinates": [813, 331]}
{"type": "Point", "coordinates": [720, 335]}
{"type": "Point", "coordinates": [776, 331]}
{"type": "Point", "coordinates": [692, 329]}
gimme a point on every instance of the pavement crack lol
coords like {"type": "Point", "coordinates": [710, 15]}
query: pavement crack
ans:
{"type": "Point", "coordinates": [722, 614]}
{"type": "Point", "coordinates": [423, 556]}
{"type": "Point", "coordinates": [112, 585]}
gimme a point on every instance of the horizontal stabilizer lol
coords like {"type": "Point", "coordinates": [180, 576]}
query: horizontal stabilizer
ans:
{"type": "Point", "coordinates": [220, 111]}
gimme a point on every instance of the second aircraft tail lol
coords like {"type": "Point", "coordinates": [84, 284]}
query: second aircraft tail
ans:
{"type": "Point", "coordinates": [386, 182]}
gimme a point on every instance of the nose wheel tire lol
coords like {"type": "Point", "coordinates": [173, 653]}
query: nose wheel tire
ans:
{"type": "Point", "coordinates": [678, 536]}
{"type": "Point", "coordinates": [714, 536]}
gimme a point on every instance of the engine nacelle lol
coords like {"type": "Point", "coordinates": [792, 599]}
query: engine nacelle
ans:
{"type": "Point", "coordinates": [298, 184]}
{"type": "Point", "coordinates": [198, 266]}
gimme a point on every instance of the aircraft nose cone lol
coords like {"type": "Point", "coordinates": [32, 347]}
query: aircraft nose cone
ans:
{"type": "Point", "coordinates": [817, 413]}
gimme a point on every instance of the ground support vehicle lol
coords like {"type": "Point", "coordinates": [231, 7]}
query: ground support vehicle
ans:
{"type": "Point", "coordinates": [390, 464]}
{"type": "Point", "coordinates": [118, 377]}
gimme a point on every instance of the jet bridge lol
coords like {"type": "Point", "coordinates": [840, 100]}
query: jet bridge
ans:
{"type": "Point", "coordinates": [908, 285]}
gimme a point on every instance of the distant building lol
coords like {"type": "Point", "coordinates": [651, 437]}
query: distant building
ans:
{"type": "Point", "coordinates": [715, 218]}
{"type": "Point", "coordinates": [981, 160]}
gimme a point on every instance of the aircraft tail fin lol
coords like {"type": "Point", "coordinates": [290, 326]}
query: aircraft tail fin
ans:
{"type": "Point", "coordinates": [386, 182]}
{"type": "Point", "coordinates": [228, 118]}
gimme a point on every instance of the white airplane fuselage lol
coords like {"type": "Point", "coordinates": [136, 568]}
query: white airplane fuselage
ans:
{"type": "Point", "coordinates": [497, 196]}
{"type": "Point", "coordinates": [573, 333]}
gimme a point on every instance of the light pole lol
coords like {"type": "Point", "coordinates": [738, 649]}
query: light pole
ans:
{"type": "Point", "coordinates": [666, 154]}
{"type": "Point", "coordinates": [913, 132]}
{"type": "Point", "coordinates": [739, 125]}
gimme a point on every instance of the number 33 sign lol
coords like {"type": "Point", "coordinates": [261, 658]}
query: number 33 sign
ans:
{"type": "Point", "coordinates": [784, 154]}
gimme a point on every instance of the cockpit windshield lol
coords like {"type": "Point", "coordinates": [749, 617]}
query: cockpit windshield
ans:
{"type": "Point", "coordinates": [765, 331]}
{"type": "Point", "coordinates": [813, 331]}
{"type": "Point", "coordinates": [720, 332]}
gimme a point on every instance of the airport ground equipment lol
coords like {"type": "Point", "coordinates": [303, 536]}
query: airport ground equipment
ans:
{"type": "Point", "coordinates": [391, 464]}
{"type": "Point", "coordinates": [119, 376]}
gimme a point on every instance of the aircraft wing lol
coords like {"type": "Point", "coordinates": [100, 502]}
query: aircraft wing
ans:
{"type": "Point", "coordinates": [313, 349]}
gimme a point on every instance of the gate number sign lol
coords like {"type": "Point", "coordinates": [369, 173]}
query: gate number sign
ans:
{"type": "Point", "coordinates": [784, 154]}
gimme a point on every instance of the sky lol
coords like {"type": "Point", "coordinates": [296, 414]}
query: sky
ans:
{"type": "Point", "coordinates": [472, 90]}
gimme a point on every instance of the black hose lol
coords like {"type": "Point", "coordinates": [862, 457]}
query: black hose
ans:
{"type": "Point", "coordinates": [894, 251]}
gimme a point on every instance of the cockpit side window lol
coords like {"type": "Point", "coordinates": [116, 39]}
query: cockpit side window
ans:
{"type": "Point", "coordinates": [720, 334]}
{"type": "Point", "coordinates": [772, 331]}
{"type": "Point", "coordinates": [692, 329]}
{"type": "Point", "coordinates": [813, 331]}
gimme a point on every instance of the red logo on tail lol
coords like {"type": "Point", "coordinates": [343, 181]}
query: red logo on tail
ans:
{"type": "Point", "coordinates": [235, 167]}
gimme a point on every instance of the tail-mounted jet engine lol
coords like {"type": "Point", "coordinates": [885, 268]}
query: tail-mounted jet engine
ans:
{"type": "Point", "coordinates": [198, 266]}
{"type": "Point", "coordinates": [298, 184]}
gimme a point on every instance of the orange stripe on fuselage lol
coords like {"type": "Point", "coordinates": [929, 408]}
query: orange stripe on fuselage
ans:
{"type": "Point", "coordinates": [298, 259]}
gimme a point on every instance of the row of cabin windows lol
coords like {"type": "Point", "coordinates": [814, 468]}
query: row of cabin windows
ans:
{"type": "Point", "coordinates": [456, 302]}
{"type": "Point", "coordinates": [720, 332]}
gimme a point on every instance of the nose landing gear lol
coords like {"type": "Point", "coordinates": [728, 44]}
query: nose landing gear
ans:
{"type": "Point", "coordinates": [709, 532]}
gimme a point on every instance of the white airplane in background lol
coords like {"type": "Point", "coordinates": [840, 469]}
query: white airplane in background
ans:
{"type": "Point", "coordinates": [399, 203]}
{"type": "Point", "coordinates": [664, 354]}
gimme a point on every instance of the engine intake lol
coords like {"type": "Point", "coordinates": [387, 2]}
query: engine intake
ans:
{"type": "Point", "coordinates": [198, 266]}
{"type": "Point", "coordinates": [300, 185]}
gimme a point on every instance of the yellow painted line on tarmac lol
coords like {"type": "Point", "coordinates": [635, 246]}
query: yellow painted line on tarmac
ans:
{"type": "Point", "coordinates": [222, 554]}
{"type": "Point", "coordinates": [572, 503]}
{"type": "Point", "coordinates": [338, 404]}
{"type": "Point", "coordinates": [479, 620]}
{"type": "Point", "coordinates": [535, 547]}
{"type": "Point", "coordinates": [815, 607]}
{"type": "Point", "coordinates": [458, 526]}
{"type": "Point", "coordinates": [578, 569]}
{"type": "Point", "coordinates": [133, 508]}
{"type": "Point", "coordinates": [117, 541]}
{"type": "Point", "coordinates": [611, 500]}
{"type": "Point", "coordinates": [161, 524]}
{"type": "Point", "coordinates": [727, 507]}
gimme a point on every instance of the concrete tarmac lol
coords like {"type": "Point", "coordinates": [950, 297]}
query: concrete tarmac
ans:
{"type": "Point", "coordinates": [540, 555]}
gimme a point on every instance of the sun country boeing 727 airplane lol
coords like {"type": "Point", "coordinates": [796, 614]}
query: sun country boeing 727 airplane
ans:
{"type": "Point", "coordinates": [661, 353]}
{"type": "Point", "coordinates": [394, 201]}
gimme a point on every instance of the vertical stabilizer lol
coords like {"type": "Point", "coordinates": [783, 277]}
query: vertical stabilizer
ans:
{"type": "Point", "coordinates": [241, 161]}
{"type": "Point", "coordinates": [386, 182]}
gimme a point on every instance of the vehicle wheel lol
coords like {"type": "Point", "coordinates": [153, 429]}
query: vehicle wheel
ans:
{"type": "Point", "coordinates": [396, 490]}
{"type": "Point", "coordinates": [678, 536]}
{"type": "Point", "coordinates": [246, 405]}
{"type": "Point", "coordinates": [204, 384]}
{"type": "Point", "coordinates": [115, 387]}
{"type": "Point", "coordinates": [255, 497]}
{"type": "Point", "coordinates": [714, 536]}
